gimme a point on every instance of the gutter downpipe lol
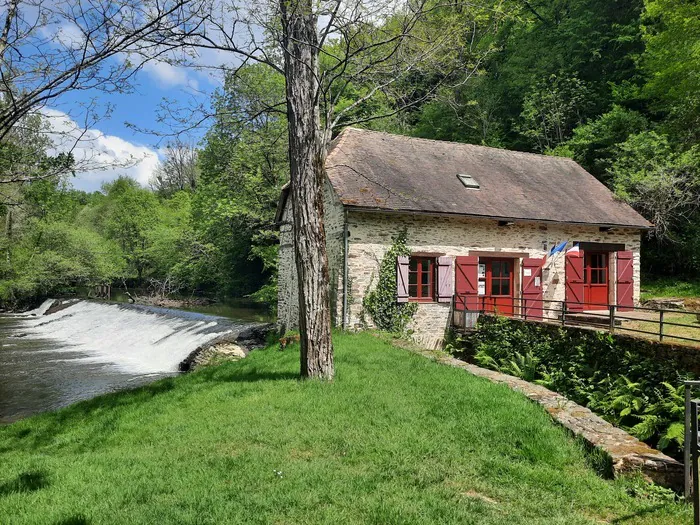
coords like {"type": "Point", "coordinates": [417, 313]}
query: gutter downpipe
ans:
{"type": "Point", "coordinates": [345, 268]}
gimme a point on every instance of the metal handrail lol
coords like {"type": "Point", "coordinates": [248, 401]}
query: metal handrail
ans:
{"type": "Point", "coordinates": [551, 310]}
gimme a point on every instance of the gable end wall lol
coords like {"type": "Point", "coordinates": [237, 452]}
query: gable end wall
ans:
{"type": "Point", "coordinates": [287, 288]}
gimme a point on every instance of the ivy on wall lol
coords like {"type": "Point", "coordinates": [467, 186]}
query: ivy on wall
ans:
{"type": "Point", "coordinates": [380, 304]}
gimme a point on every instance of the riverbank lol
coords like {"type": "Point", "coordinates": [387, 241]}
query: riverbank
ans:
{"type": "Point", "coordinates": [394, 439]}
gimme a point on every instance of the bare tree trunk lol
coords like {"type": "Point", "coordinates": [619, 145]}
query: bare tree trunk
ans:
{"type": "Point", "coordinates": [8, 235]}
{"type": "Point", "coordinates": [306, 158]}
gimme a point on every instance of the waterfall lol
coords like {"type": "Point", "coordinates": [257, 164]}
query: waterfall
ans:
{"type": "Point", "coordinates": [134, 339]}
{"type": "Point", "coordinates": [41, 310]}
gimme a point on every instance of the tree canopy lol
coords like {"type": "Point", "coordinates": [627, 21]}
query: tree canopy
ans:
{"type": "Point", "coordinates": [613, 85]}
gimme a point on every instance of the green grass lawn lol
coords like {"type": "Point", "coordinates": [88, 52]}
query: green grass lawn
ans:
{"type": "Point", "coordinates": [670, 287]}
{"type": "Point", "coordinates": [395, 438]}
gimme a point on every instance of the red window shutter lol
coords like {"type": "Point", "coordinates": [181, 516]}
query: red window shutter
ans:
{"type": "Point", "coordinates": [444, 279]}
{"type": "Point", "coordinates": [532, 288]}
{"type": "Point", "coordinates": [466, 282]}
{"type": "Point", "coordinates": [402, 279]}
{"type": "Point", "coordinates": [573, 270]}
{"type": "Point", "coordinates": [625, 280]}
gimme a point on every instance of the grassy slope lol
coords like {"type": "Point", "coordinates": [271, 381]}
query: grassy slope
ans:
{"type": "Point", "coordinates": [670, 287]}
{"type": "Point", "coordinates": [395, 439]}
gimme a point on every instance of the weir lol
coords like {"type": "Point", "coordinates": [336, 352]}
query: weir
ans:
{"type": "Point", "coordinates": [135, 339]}
{"type": "Point", "coordinates": [66, 351]}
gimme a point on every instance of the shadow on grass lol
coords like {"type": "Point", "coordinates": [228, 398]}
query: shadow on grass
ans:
{"type": "Point", "coordinates": [639, 514]}
{"type": "Point", "coordinates": [104, 412]}
{"type": "Point", "coordinates": [26, 482]}
{"type": "Point", "coordinates": [249, 376]}
{"type": "Point", "coordinates": [74, 520]}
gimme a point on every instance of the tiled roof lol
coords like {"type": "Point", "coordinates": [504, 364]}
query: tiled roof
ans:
{"type": "Point", "coordinates": [381, 171]}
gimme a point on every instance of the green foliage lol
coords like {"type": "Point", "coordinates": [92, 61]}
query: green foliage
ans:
{"type": "Point", "coordinates": [595, 144]}
{"type": "Point", "coordinates": [243, 166]}
{"type": "Point", "coordinates": [672, 61]}
{"type": "Point", "coordinates": [611, 377]}
{"type": "Point", "coordinates": [380, 303]}
{"type": "Point", "coordinates": [670, 287]}
{"type": "Point", "coordinates": [660, 182]}
{"type": "Point", "coordinates": [551, 110]}
{"type": "Point", "coordinates": [55, 256]}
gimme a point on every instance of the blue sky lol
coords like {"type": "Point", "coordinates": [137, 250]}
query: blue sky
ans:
{"type": "Point", "coordinates": [112, 138]}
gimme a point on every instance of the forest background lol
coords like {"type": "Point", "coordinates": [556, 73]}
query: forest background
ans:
{"type": "Point", "coordinates": [614, 85]}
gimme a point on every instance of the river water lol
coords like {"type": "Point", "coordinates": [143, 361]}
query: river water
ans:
{"type": "Point", "coordinates": [91, 348]}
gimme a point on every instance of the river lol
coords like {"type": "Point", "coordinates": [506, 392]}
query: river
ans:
{"type": "Point", "coordinates": [91, 348]}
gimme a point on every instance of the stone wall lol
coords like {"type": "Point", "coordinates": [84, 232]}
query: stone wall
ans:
{"type": "Point", "coordinates": [371, 234]}
{"type": "Point", "coordinates": [287, 290]}
{"type": "Point", "coordinates": [287, 293]}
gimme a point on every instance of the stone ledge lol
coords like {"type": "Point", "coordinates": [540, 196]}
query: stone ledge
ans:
{"type": "Point", "coordinates": [236, 345]}
{"type": "Point", "coordinates": [627, 453]}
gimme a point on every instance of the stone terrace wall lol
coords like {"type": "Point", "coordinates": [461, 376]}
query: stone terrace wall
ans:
{"type": "Point", "coordinates": [371, 235]}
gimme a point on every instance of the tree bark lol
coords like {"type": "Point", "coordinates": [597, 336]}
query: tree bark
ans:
{"type": "Point", "coordinates": [307, 150]}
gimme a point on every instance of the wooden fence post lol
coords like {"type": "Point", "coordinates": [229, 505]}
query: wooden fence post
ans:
{"type": "Point", "coordinates": [612, 318]}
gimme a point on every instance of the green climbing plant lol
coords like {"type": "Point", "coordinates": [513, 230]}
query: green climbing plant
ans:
{"type": "Point", "coordinates": [381, 304]}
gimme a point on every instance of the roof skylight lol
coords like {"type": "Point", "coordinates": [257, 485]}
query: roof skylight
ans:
{"type": "Point", "coordinates": [468, 181]}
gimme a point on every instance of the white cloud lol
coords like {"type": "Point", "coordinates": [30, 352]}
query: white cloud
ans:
{"type": "Point", "coordinates": [167, 75]}
{"type": "Point", "coordinates": [99, 158]}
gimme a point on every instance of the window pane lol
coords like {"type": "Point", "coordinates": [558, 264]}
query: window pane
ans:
{"type": "Point", "coordinates": [425, 290]}
{"type": "Point", "coordinates": [413, 263]}
{"type": "Point", "coordinates": [426, 265]}
{"type": "Point", "coordinates": [505, 270]}
{"type": "Point", "coordinates": [505, 287]}
{"type": "Point", "coordinates": [594, 276]}
{"type": "Point", "coordinates": [495, 287]}
{"type": "Point", "coordinates": [412, 278]}
{"type": "Point", "coordinates": [425, 278]}
{"type": "Point", "coordinates": [603, 276]}
{"type": "Point", "coordinates": [496, 268]}
{"type": "Point", "coordinates": [412, 290]}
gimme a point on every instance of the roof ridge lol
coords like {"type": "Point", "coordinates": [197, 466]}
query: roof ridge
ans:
{"type": "Point", "coordinates": [422, 139]}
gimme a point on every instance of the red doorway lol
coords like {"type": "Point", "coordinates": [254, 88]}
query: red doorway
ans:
{"type": "Point", "coordinates": [499, 286]}
{"type": "Point", "coordinates": [596, 292]}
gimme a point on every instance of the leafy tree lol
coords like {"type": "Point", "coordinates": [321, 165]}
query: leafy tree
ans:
{"type": "Point", "coordinates": [551, 110]}
{"type": "Point", "coordinates": [672, 61]}
{"type": "Point", "coordinates": [130, 212]}
{"type": "Point", "coordinates": [178, 171]}
{"type": "Point", "coordinates": [660, 182]}
{"type": "Point", "coordinates": [596, 144]}
{"type": "Point", "coordinates": [244, 164]}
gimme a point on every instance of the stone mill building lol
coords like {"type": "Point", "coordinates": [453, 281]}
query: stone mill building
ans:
{"type": "Point", "coordinates": [488, 229]}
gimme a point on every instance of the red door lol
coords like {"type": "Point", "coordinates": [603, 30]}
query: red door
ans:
{"type": "Point", "coordinates": [595, 280]}
{"type": "Point", "coordinates": [499, 286]}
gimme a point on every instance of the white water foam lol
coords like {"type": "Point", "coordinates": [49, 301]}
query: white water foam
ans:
{"type": "Point", "coordinates": [41, 310]}
{"type": "Point", "coordinates": [134, 339]}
